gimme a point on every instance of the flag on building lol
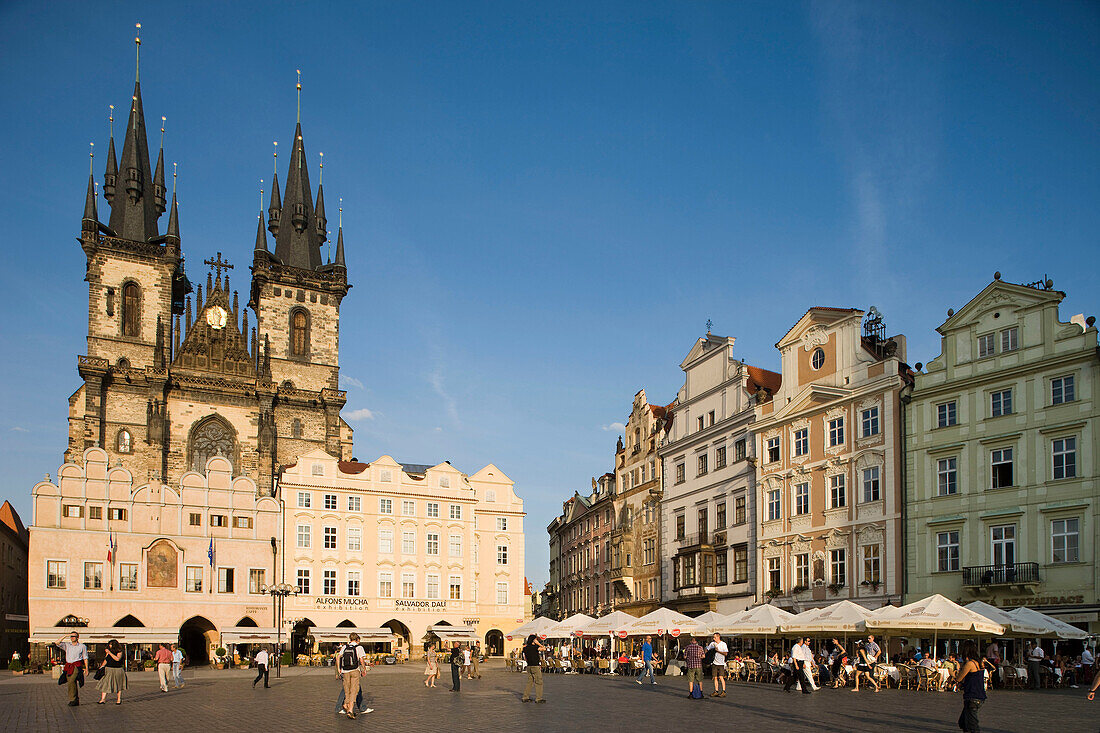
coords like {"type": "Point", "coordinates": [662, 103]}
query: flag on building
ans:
{"type": "Point", "coordinates": [111, 547]}
{"type": "Point", "coordinates": [210, 552]}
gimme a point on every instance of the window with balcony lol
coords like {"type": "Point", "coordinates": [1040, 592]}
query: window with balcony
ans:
{"type": "Point", "coordinates": [680, 526]}
{"type": "Point", "coordinates": [702, 524]}
{"type": "Point", "coordinates": [947, 476]}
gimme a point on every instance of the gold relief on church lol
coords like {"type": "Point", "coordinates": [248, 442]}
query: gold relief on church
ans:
{"type": "Point", "coordinates": [160, 562]}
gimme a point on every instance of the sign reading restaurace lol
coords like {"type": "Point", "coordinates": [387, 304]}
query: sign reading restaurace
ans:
{"type": "Point", "coordinates": [406, 605]}
{"type": "Point", "coordinates": [337, 602]}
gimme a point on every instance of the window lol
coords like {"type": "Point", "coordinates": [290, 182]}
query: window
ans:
{"type": "Point", "coordinates": [836, 431]}
{"type": "Point", "coordinates": [739, 450]}
{"type": "Point", "coordinates": [652, 588]}
{"type": "Point", "coordinates": [433, 509]}
{"type": "Point", "coordinates": [1064, 452]}
{"type": "Point", "coordinates": [837, 497]}
{"type": "Point", "coordinates": [741, 564]}
{"type": "Point", "coordinates": [303, 581]}
{"type": "Point", "coordinates": [721, 571]}
{"type": "Point", "coordinates": [774, 504]}
{"type": "Point", "coordinates": [502, 593]}
{"type": "Point", "coordinates": [801, 441]}
{"type": "Point", "coordinates": [73, 511]}
{"type": "Point", "coordinates": [242, 522]}
{"type": "Point", "coordinates": [1001, 464]}
{"type": "Point", "coordinates": [802, 569]}
{"type": "Point", "coordinates": [93, 576]}
{"type": "Point", "coordinates": [947, 476]}
{"type": "Point", "coordinates": [433, 587]}
{"type": "Point", "coordinates": [947, 551]}
{"type": "Point", "coordinates": [408, 542]}
{"type": "Point", "coordinates": [818, 359]}
{"type": "Point", "coordinates": [702, 521]}
{"type": "Point", "coordinates": [775, 576]}
{"type": "Point", "coordinates": [720, 516]}
{"type": "Point", "coordinates": [127, 576]}
{"type": "Point", "coordinates": [330, 501]}
{"type": "Point", "coordinates": [699, 422]}
{"type": "Point", "coordinates": [773, 450]}
{"type": "Point", "coordinates": [131, 310]}
{"type": "Point", "coordinates": [1010, 338]}
{"type": "Point", "coordinates": [299, 333]}
{"type": "Point", "coordinates": [255, 580]}
{"type": "Point", "coordinates": [871, 564]}
{"type": "Point", "coordinates": [408, 508]}
{"type": "Point", "coordinates": [502, 554]}
{"type": "Point", "coordinates": [355, 503]}
{"type": "Point", "coordinates": [304, 532]}
{"type": "Point", "coordinates": [739, 511]}
{"type": "Point", "coordinates": [55, 574]}
{"type": "Point", "coordinates": [116, 514]}
{"type": "Point", "coordinates": [1000, 403]}
{"type": "Point", "coordinates": [869, 421]}
{"type": "Point", "coordinates": [679, 473]}
{"type": "Point", "coordinates": [225, 580]}
{"type": "Point", "coordinates": [702, 465]}
{"type": "Point", "coordinates": [455, 587]}
{"type": "Point", "coordinates": [838, 566]}
{"type": "Point", "coordinates": [454, 545]}
{"type": "Point", "coordinates": [125, 442]}
{"type": "Point", "coordinates": [328, 582]}
{"type": "Point", "coordinates": [648, 551]}
{"type": "Point", "coordinates": [802, 498]}
{"type": "Point", "coordinates": [490, 496]}
{"type": "Point", "coordinates": [433, 543]}
{"type": "Point", "coordinates": [1064, 534]}
{"type": "Point", "coordinates": [680, 528]}
{"type": "Point", "coordinates": [385, 506]}
{"type": "Point", "coordinates": [330, 538]}
{"type": "Point", "coordinates": [947, 414]}
{"type": "Point", "coordinates": [986, 345]}
{"type": "Point", "coordinates": [193, 579]}
{"type": "Point", "coordinates": [218, 520]}
{"type": "Point", "coordinates": [96, 512]}
{"type": "Point", "coordinates": [1003, 545]}
{"type": "Point", "coordinates": [304, 499]}
{"type": "Point", "coordinates": [296, 432]}
{"type": "Point", "coordinates": [456, 511]}
{"type": "Point", "coordinates": [355, 539]}
{"type": "Point", "coordinates": [871, 484]}
{"type": "Point", "coordinates": [502, 524]}
{"type": "Point", "coordinates": [353, 582]}
{"type": "Point", "coordinates": [385, 541]}
{"type": "Point", "coordinates": [211, 437]}
{"type": "Point", "coordinates": [720, 457]}
{"type": "Point", "coordinates": [1061, 390]}
{"type": "Point", "coordinates": [385, 585]}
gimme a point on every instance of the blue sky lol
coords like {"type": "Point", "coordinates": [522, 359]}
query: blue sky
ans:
{"type": "Point", "coordinates": [544, 203]}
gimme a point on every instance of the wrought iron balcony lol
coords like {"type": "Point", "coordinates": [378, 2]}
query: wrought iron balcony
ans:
{"type": "Point", "coordinates": [1020, 573]}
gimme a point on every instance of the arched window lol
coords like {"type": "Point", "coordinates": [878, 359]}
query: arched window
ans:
{"type": "Point", "coordinates": [125, 442]}
{"type": "Point", "coordinates": [211, 437]}
{"type": "Point", "coordinates": [131, 310]}
{"type": "Point", "coordinates": [299, 333]}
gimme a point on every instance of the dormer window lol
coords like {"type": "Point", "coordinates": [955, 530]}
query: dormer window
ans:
{"type": "Point", "coordinates": [1010, 339]}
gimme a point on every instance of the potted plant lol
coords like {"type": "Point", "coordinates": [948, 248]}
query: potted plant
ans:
{"type": "Point", "coordinates": [799, 589]}
{"type": "Point", "coordinates": [16, 667]}
{"type": "Point", "coordinates": [834, 588]}
{"type": "Point", "coordinates": [149, 664]}
{"type": "Point", "coordinates": [220, 655]}
{"type": "Point", "coordinates": [772, 593]}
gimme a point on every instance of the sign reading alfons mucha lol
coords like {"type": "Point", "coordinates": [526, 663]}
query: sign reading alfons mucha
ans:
{"type": "Point", "coordinates": [340, 602]}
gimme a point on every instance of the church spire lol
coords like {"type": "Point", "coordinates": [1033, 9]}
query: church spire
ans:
{"type": "Point", "coordinates": [110, 176]}
{"type": "Point", "coordinates": [159, 190]}
{"type": "Point", "coordinates": [134, 215]}
{"type": "Point", "coordinates": [276, 206]}
{"type": "Point", "coordinates": [172, 236]}
{"type": "Point", "coordinates": [340, 242]}
{"type": "Point", "coordinates": [296, 242]}
{"type": "Point", "coordinates": [90, 221]}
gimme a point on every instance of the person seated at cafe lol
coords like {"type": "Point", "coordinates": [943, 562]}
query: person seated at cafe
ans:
{"type": "Point", "coordinates": [951, 664]}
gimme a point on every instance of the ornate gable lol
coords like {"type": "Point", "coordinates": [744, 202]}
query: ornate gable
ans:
{"type": "Point", "coordinates": [215, 342]}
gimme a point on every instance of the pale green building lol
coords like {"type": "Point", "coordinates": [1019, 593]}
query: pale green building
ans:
{"type": "Point", "coordinates": [1001, 482]}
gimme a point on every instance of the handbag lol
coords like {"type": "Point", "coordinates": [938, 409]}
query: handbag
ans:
{"type": "Point", "coordinates": [98, 674]}
{"type": "Point", "coordinates": [62, 678]}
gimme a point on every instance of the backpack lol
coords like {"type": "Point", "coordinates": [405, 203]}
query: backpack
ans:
{"type": "Point", "coordinates": [708, 658]}
{"type": "Point", "coordinates": [696, 691]}
{"type": "Point", "coordinates": [349, 658]}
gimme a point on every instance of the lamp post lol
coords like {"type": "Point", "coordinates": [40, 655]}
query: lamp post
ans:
{"type": "Point", "coordinates": [278, 593]}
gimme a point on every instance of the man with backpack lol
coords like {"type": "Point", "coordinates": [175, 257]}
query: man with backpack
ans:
{"type": "Point", "coordinates": [693, 656]}
{"type": "Point", "coordinates": [351, 664]}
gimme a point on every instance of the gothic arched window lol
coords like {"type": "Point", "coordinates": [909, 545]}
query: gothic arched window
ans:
{"type": "Point", "coordinates": [209, 438]}
{"type": "Point", "coordinates": [125, 442]}
{"type": "Point", "coordinates": [299, 333]}
{"type": "Point", "coordinates": [131, 310]}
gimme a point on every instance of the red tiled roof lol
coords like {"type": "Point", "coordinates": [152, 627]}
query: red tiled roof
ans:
{"type": "Point", "coordinates": [10, 518]}
{"type": "Point", "coordinates": [762, 378]}
{"type": "Point", "coordinates": [352, 467]}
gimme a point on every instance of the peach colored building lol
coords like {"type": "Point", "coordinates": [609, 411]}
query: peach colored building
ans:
{"type": "Point", "coordinates": [829, 460]}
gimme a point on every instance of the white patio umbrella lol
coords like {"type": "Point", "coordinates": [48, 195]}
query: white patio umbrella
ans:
{"type": "Point", "coordinates": [664, 621]}
{"type": "Point", "coordinates": [1053, 626]}
{"type": "Point", "coordinates": [764, 620]}
{"type": "Point", "coordinates": [936, 615]}
{"type": "Point", "coordinates": [843, 617]}
{"type": "Point", "coordinates": [605, 625]}
{"type": "Point", "coordinates": [567, 628]}
{"type": "Point", "coordinates": [537, 626]}
{"type": "Point", "coordinates": [708, 618]}
{"type": "Point", "coordinates": [1014, 626]}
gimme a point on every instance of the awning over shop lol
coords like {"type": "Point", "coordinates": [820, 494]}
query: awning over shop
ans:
{"type": "Point", "coordinates": [123, 634]}
{"type": "Point", "coordinates": [447, 634]}
{"type": "Point", "coordinates": [340, 634]}
{"type": "Point", "coordinates": [251, 635]}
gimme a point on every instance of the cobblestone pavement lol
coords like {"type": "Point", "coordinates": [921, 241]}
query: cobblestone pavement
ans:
{"type": "Point", "coordinates": [304, 700]}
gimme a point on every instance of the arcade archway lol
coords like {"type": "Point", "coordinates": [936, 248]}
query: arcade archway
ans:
{"type": "Point", "coordinates": [300, 640]}
{"type": "Point", "coordinates": [198, 636]}
{"type": "Point", "coordinates": [404, 636]}
{"type": "Point", "coordinates": [129, 620]}
{"type": "Point", "coordinates": [494, 643]}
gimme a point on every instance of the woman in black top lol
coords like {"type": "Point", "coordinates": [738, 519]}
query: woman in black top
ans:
{"type": "Point", "coordinates": [114, 673]}
{"type": "Point", "coordinates": [971, 679]}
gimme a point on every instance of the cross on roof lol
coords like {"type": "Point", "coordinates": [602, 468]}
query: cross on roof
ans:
{"type": "Point", "coordinates": [218, 264]}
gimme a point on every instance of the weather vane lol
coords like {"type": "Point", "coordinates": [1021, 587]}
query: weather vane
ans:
{"type": "Point", "coordinates": [709, 325]}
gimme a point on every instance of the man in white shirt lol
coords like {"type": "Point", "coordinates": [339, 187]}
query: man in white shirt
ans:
{"type": "Point", "coordinates": [1086, 657]}
{"type": "Point", "coordinates": [1034, 656]}
{"type": "Point", "coordinates": [801, 658]}
{"type": "Point", "coordinates": [718, 665]}
{"type": "Point", "coordinates": [350, 663]}
{"type": "Point", "coordinates": [177, 666]}
{"type": "Point", "coordinates": [76, 659]}
{"type": "Point", "coordinates": [261, 659]}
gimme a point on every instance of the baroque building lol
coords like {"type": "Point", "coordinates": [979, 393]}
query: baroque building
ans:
{"type": "Point", "coordinates": [829, 458]}
{"type": "Point", "coordinates": [1002, 495]}
{"type": "Point", "coordinates": [707, 513]}
{"type": "Point", "coordinates": [584, 538]}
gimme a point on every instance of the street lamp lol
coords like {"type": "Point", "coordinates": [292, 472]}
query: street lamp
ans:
{"type": "Point", "coordinates": [278, 593]}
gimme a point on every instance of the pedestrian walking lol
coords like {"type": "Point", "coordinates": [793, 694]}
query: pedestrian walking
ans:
{"type": "Point", "coordinates": [163, 660]}
{"type": "Point", "coordinates": [718, 664]}
{"type": "Point", "coordinates": [177, 666]}
{"type": "Point", "coordinates": [475, 660]}
{"type": "Point", "coordinates": [533, 659]}
{"type": "Point", "coordinates": [76, 659]}
{"type": "Point", "coordinates": [262, 660]}
{"type": "Point", "coordinates": [647, 661]}
{"type": "Point", "coordinates": [466, 663]}
{"type": "Point", "coordinates": [456, 667]}
{"type": "Point", "coordinates": [114, 679]}
{"type": "Point", "coordinates": [971, 680]}
{"type": "Point", "coordinates": [431, 667]}
{"type": "Point", "coordinates": [350, 668]}
{"type": "Point", "coordinates": [866, 656]}
{"type": "Point", "coordinates": [801, 658]}
{"type": "Point", "coordinates": [693, 655]}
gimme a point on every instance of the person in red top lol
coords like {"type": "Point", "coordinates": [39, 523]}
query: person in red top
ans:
{"type": "Point", "coordinates": [693, 655]}
{"type": "Point", "coordinates": [163, 659]}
